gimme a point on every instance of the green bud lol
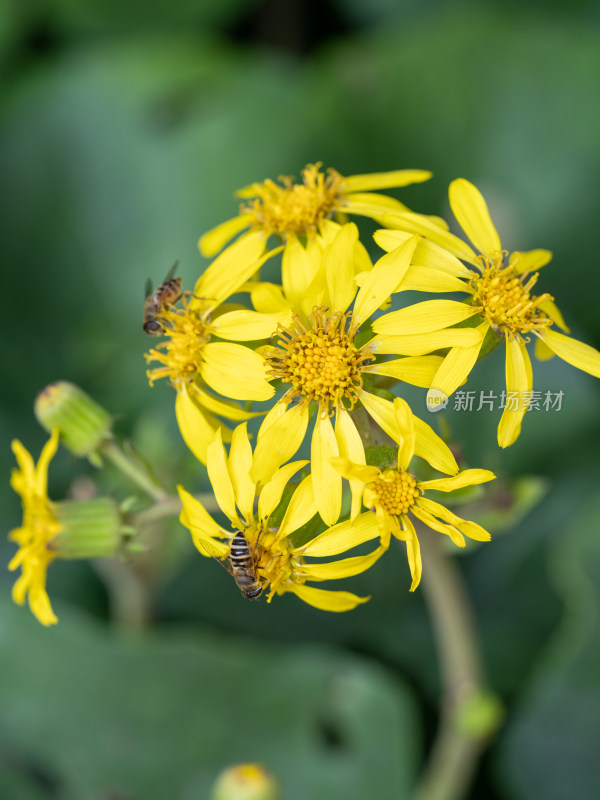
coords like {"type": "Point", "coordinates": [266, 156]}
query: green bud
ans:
{"type": "Point", "coordinates": [91, 528]}
{"type": "Point", "coordinates": [480, 715]}
{"type": "Point", "coordinates": [246, 782]}
{"type": "Point", "coordinates": [83, 424]}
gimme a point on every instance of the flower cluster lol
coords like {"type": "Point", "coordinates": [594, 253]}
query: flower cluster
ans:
{"type": "Point", "coordinates": [323, 350]}
{"type": "Point", "coordinates": [316, 365]}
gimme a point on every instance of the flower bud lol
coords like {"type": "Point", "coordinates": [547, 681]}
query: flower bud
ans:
{"type": "Point", "coordinates": [83, 424]}
{"type": "Point", "coordinates": [90, 528]}
{"type": "Point", "coordinates": [246, 782]}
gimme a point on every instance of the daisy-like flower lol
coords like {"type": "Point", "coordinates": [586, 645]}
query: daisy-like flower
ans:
{"type": "Point", "coordinates": [392, 495]}
{"type": "Point", "coordinates": [276, 564]}
{"type": "Point", "coordinates": [500, 292]}
{"type": "Point", "coordinates": [195, 364]}
{"type": "Point", "coordinates": [305, 210]}
{"type": "Point", "coordinates": [320, 359]}
{"type": "Point", "coordinates": [40, 526]}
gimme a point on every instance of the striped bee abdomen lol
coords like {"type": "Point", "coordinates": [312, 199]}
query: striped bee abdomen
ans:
{"type": "Point", "coordinates": [243, 567]}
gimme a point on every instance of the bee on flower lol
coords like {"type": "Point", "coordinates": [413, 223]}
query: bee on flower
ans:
{"type": "Point", "coordinates": [278, 565]}
{"type": "Point", "coordinates": [394, 495]}
{"type": "Point", "coordinates": [499, 289]}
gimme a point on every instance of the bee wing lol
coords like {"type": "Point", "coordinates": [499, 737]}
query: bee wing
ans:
{"type": "Point", "coordinates": [221, 564]}
{"type": "Point", "coordinates": [148, 288]}
{"type": "Point", "coordinates": [172, 271]}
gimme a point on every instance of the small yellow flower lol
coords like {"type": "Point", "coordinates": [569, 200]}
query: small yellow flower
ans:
{"type": "Point", "coordinates": [391, 494]}
{"type": "Point", "coordinates": [500, 292]}
{"type": "Point", "coordinates": [305, 210]}
{"type": "Point", "coordinates": [193, 362]}
{"type": "Point", "coordinates": [37, 532]}
{"type": "Point", "coordinates": [278, 565]}
{"type": "Point", "coordinates": [318, 360]}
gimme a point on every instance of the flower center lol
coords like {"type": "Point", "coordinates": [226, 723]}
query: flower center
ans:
{"type": "Point", "coordinates": [504, 297]}
{"type": "Point", "coordinates": [295, 208]}
{"type": "Point", "coordinates": [181, 354]}
{"type": "Point", "coordinates": [393, 490]}
{"type": "Point", "coordinates": [321, 362]}
{"type": "Point", "coordinates": [274, 560]}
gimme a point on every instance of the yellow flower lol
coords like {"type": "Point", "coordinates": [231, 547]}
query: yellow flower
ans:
{"type": "Point", "coordinates": [305, 210]}
{"type": "Point", "coordinates": [499, 291]}
{"type": "Point", "coordinates": [193, 362]}
{"type": "Point", "coordinates": [39, 528]}
{"type": "Point", "coordinates": [319, 359]}
{"type": "Point", "coordinates": [273, 562]}
{"type": "Point", "coordinates": [392, 494]}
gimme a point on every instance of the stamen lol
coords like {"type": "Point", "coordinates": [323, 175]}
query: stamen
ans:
{"type": "Point", "coordinates": [393, 490]}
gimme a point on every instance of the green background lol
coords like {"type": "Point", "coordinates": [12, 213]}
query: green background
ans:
{"type": "Point", "coordinates": [125, 128]}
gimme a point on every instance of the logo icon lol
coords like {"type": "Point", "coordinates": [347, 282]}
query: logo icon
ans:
{"type": "Point", "coordinates": [436, 400]}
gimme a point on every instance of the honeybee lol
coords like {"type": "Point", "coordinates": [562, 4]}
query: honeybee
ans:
{"type": "Point", "coordinates": [243, 567]}
{"type": "Point", "coordinates": [159, 300]}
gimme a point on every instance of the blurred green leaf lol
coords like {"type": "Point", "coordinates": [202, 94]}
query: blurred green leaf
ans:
{"type": "Point", "coordinates": [553, 737]}
{"type": "Point", "coordinates": [160, 716]}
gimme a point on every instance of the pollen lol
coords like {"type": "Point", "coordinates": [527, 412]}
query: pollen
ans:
{"type": "Point", "coordinates": [276, 563]}
{"type": "Point", "coordinates": [321, 361]}
{"type": "Point", "coordinates": [393, 490]}
{"type": "Point", "coordinates": [504, 297]}
{"type": "Point", "coordinates": [295, 208]}
{"type": "Point", "coordinates": [180, 355]}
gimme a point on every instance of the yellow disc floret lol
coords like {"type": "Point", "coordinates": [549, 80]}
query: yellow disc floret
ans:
{"type": "Point", "coordinates": [277, 565]}
{"type": "Point", "coordinates": [295, 208]}
{"type": "Point", "coordinates": [187, 333]}
{"type": "Point", "coordinates": [504, 297]}
{"type": "Point", "coordinates": [321, 361]}
{"type": "Point", "coordinates": [394, 491]}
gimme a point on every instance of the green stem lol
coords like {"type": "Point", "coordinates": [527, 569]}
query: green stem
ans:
{"type": "Point", "coordinates": [456, 748]}
{"type": "Point", "coordinates": [128, 466]}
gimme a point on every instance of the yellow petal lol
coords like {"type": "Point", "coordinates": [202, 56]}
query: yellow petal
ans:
{"type": "Point", "coordinates": [472, 213]}
{"type": "Point", "coordinates": [381, 281]}
{"type": "Point", "coordinates": [272, 416]}
{"type": "Point", "coordinates": [468, 477]}
{"type": "Point", "coordinates": [530, 261]}
{"type": "Point", "coordinates": [302, 509]}
{"type": "Point", "coordinates": [576, 353]}
{"type": "Point", "coordinates": [279, 443]}
{"type": "Point", "coordinates": [455, 368]}
{"type": "Point", "coordinates": [196, 426]}
{"type": "Point", "coordinates": [268, 298]}
{"type": "Point", "coordinates": [426, 514]}
{"type": "Point", "coordinates": [431, 315]}
{"type": "Point", "coordinates": [46, 456]}
{"type": "Point", "coordinates": [342, 537]}
{"type": "Point", "coordinates": [299, 266]}
{"type": "Point", "coordinates": [235, 371]}
{"type": "Point", "coordinates": [542, 351]}
{"type": "Point", "coordinates": [272, 490]}
{"type": "Point", "coordinates": [218, 474]}
{"type": "Point", "coordinates": [419, 344]}
{"type": "Point", "coordinates": [339, 266]}
{"type": "Point", "coordinates": [214, 240]}
{"type": "Point", "coordinates": [427, 254]}
{"type": "Point", "coordinates": [518, 379]}
{"type": "Point", "coordinates": [344, 568]}
{"type": "Point", "coordinates": [325, 600]}
{"type": "Point", "coordinates": [423, 226]}
{"type": "Point", "coordinates": [327, 482]}
{"type": "Point", "coordinates": [248, 326]}
{"type": "Point", "coordinates": [354, 472]}
{"type": "Point", "coordinates": [428, 444]}
{"type": "Point", "coordinates": [40, 606]}
{"type": "Point", "coordinates": [238, 465]}
{"type": "Point", "coordinates": [371, 203]}
{"type": "Point", "coordinates": [474, 531]}
{"type": "Point", "coordinates": [195, 517]}
{"type": "Point", "coordinates": [405, 428]}
{"type": "Point", "coordinates": [426, 279]}
{"type": "Point", "coordinates": [221, 407]}
{"type": "Point", "coordinates": [549, 307]}
{"type": "Point", "coordinates": [350, 447]}
{"type": "Point", "coordinates": [384, 180]}
{"type": "Point", "coordinates": [416, 370]}
{"type": "Point", "coordinates": [413, 553]}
